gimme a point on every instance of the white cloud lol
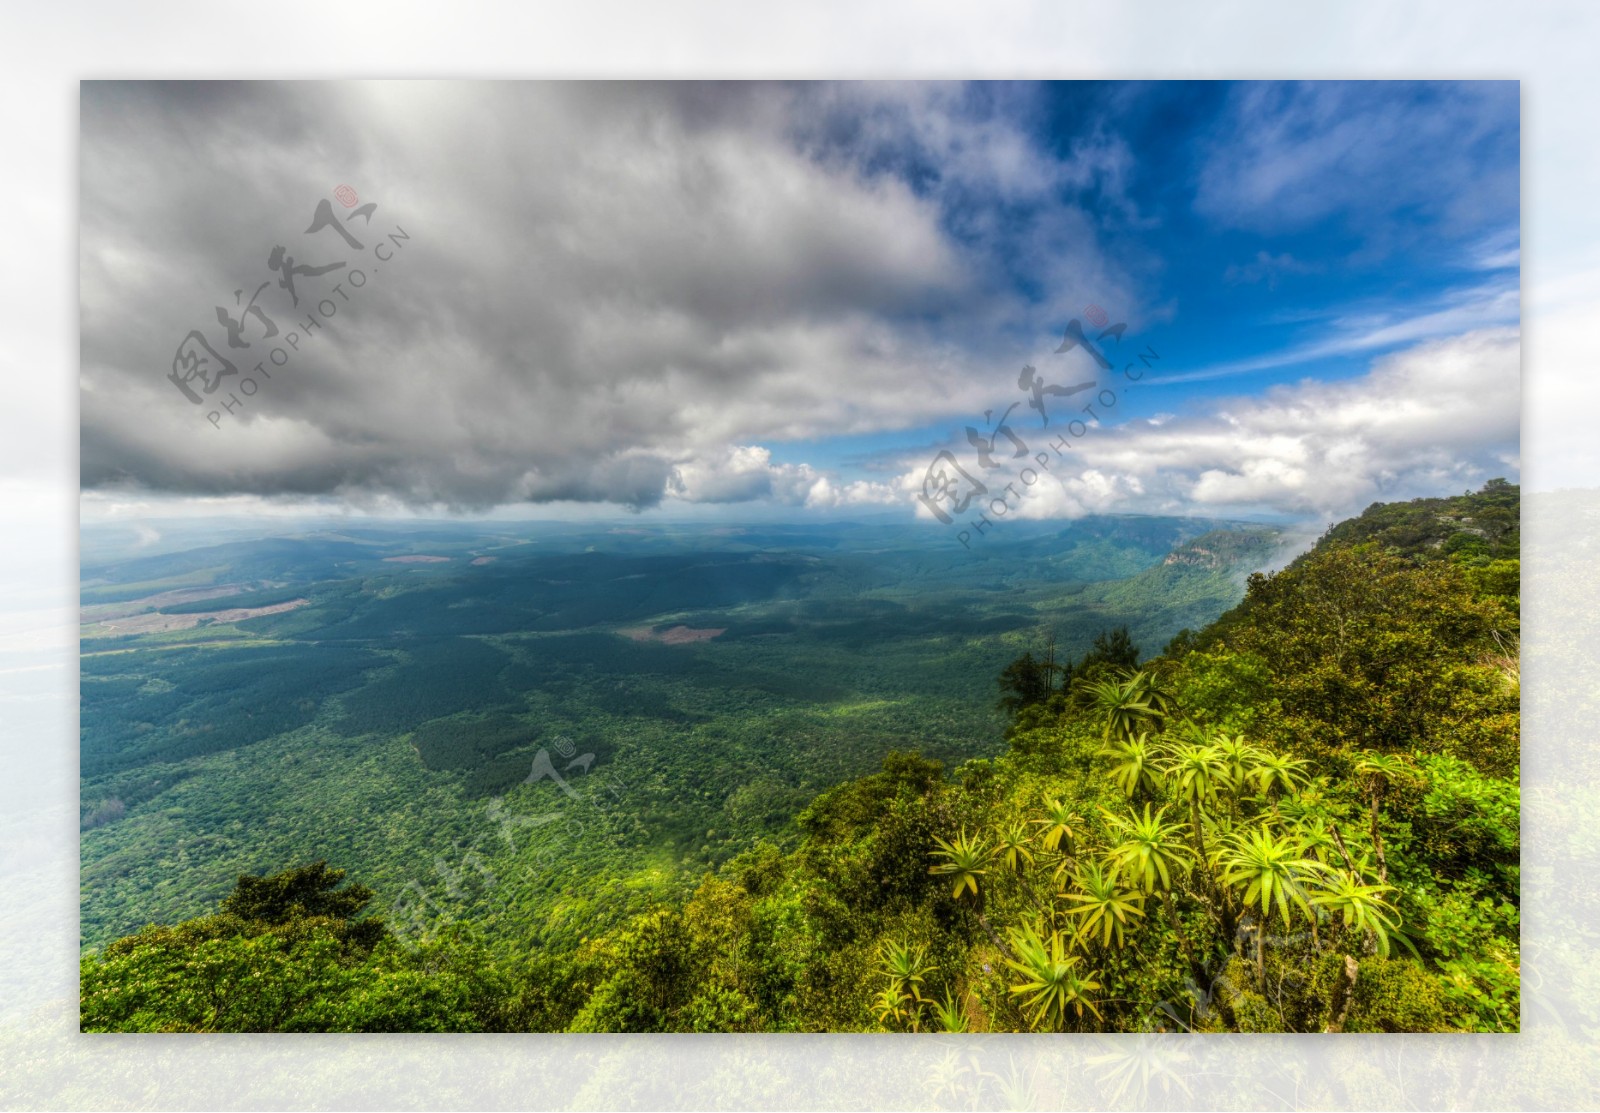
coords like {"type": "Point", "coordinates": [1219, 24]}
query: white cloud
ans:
{"type": "Point", "coordinates": [1495, 302]}
{"type": "Point", "coordinates": [745, 472]}
{"type": "Point", "coordinates": [1288, 155]}
{"type": "Point", "coordinates": [1268, 268]}
{"type": "Point", "coordinates": [605, 284]}
{"type": "Point", "coordinates": [1440, 415]}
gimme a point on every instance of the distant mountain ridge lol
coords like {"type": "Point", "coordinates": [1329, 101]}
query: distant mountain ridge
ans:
{"type": "Point", "coordinates": [1479, 530]}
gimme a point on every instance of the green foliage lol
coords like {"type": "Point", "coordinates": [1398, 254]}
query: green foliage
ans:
{"type": "Point", "coordinates": [964, 861]}
{"type": "Point", "coordinates": [1500, 580]}
{"type": "Point", "coordinates": [1106, 909]}
{"type": "Point", "coordinates": [1112, 653]}
{"type": "Point", "coordinates": [286, 955]}
{"type": "Point", "coordinates": [1149, 852]}
{"type": "Point", "coordinates": [296, 894]}
{"type": "Point", "coordinates": [1053, 986]}
{"type": "Point", "coordinates": [1480, 527]}
{"type": "Point", "coordinates": [1303, 818]}
{"type": "Point", "coordinates": [1395, 995]}
{"type": "Point", "coordinates": [1468, 821]}
{"type": "Point", "coordinates": [1231, 691]}
{"type": "Point", "coordinates": [1360, 646]}
{"type": "Point", "coordinates": [1477, 952]}
{"type": "Point", "coordinates": [1025, 682]}
{"type": "Point", "coordinates": [203, 701]}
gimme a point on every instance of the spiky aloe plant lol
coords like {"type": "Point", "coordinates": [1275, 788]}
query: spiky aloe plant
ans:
{"type": "Point", "coordinates": [1271, 870]}
{"type": "Point", "coordinates": [1012, 848]}
{"type": "Point", "coordinates": [1135, 770]}
{"type": "Point", "coordinates": [1379, 771]}
{"type": "Point", "coordinates": [1273, 773]}
{"type": "Point", "coordinates": [1362, 907]}
{"type": "Point", "coordinates": [966, 859]}
{"type": "Point", "coordinates": [1102, 906]}
{"type": "Point", "coordinates": [1060, 826]}
{"type": "Point", "coordinates": [1054, 982]}
{"type": "Point", "coordinates": [1150, 852]}
{"type": "Point", "coordinates": [949, 1014]}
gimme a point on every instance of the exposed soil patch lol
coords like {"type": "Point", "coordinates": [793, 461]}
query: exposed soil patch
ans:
{"type": "Point", "coordinates": [676, 635]}
{"type": "Point", "coordinates": [102, 612]}
{"type": "Point", "coordinates": [155, 623]}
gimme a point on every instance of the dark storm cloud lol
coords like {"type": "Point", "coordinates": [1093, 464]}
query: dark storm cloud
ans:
{"type": "Point", "coordinates": [605, 291]}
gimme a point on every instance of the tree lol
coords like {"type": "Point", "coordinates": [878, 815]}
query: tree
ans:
{"type": "Point", "coordinates": [1054, 980]}
{"type": "Point", "coordinates": [286, 956]}
{"type": "Point", "coordinates": [1112, 651]}
{"type": "Point", "coordinates": [1135, 771]}
{"type": "Point", "coordinates": [296, 894]}
{"type": "Point", "coordinates": [1272, 870]}
{"type": "Point", "coordinates": [1194, 771]}
{"type": "Point", "coordinates": [965, 860]}
{"type": "Point", "coordinates": [1365, 647]}
{"type": "Point", "coordinates": [1379, 771]}
{"type": "Point", "coordinates": [1024, 682]}
{"type": "Point", "coordinates": [1105, 908]}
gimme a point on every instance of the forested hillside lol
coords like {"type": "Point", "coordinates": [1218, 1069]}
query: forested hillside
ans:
{"type": "Point", "coordinates": [387, 716]}
{"type": "Point", "coordinates": [1302, 817]}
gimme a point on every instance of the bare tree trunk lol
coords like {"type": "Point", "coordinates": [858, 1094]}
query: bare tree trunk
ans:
{"type": "Point", "coordinates": [1338, 840]}
{"type": "Point", "coordinates": [1261, 954]}
{"type": "Point", "coordinates": [994, 938]}
{"type": "Point", "coordinates": [1195, 969]}
{"type": "Point", "coordinates": [1343, 994]}
{"type": "Point", "coordinates": [1377, 843]}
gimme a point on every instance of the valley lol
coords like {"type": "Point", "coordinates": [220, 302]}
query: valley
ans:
{"type": "Point", "coordinates": [378, 696]}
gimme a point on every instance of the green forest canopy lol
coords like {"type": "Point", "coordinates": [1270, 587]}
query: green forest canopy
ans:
{"type": "Point", "coordinates": [1303, 817]}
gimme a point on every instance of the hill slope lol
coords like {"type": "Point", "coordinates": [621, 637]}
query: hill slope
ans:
{"type": "Point", "coordinates": [1304, 821]}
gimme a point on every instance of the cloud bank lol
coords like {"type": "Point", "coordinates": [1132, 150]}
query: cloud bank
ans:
{"type": "Point", "coordinates": [608, 293]}
{"type": "Point", "coordinates": [624, 295]}
{"type": "Point", "coordinates": [1440, 416]}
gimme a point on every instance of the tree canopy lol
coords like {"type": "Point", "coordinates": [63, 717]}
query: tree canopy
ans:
{"type": "Point", "coordinates": [1302, 818]}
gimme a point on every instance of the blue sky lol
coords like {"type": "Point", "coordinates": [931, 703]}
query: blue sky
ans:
{"type": "Point", "coordinates": [1275, 233]}
{"type": "Point", "coordinates": [741, 299]}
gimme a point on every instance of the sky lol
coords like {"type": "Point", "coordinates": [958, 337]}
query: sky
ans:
{"type": "Point", "coordinates": [727, 300]}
